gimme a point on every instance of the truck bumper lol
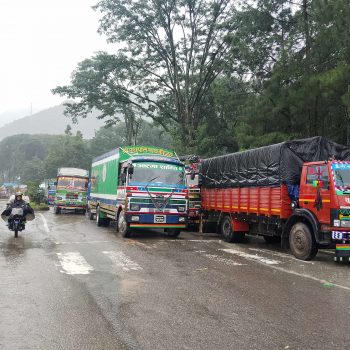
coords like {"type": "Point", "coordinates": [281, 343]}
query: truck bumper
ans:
{"type": "Point", "coordinates": [70, 206]}
{"type": "Point", "coordinates": [138, 220]}
{"type": "Point", "coordinates": [342, 252]}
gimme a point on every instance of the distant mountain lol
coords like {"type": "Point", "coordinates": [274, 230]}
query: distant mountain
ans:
{"type": "Point", "coordinates": [51, 121]}
{"type": "Point", "coordinates": [11, 115]}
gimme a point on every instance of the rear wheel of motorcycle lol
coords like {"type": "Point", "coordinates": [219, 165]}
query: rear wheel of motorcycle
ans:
{"type": "Point", "coordinates": [16, 233]}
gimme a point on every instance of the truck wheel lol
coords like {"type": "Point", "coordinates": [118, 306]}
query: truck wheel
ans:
{"type": "Point", "coordinates": [302, 243]}
{"type": "Point", "coordinates": [173, 232]}
{"type": "Point", "coordinates": [123, 227]}
{"type": "Point", "coordinates": [91, 216]}
{"type": "Point", "coordinates": [99, 220]}
{"type": "Point", "coordinates": [228, 233]}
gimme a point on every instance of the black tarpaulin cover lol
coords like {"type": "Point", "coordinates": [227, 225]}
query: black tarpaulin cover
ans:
{"type": "Point", "coordinates": [269, 165]}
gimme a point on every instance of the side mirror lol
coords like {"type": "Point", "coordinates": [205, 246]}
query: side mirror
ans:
{"type": "Point", "coordinates": [123, 178]}
{"type": "Point", "coordinates": [130, 169]}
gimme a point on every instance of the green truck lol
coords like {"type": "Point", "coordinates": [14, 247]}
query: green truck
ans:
{"type": "Point", "coordinates": [71, 190]}
{"type": "Point", "coordinates": [139, 187]}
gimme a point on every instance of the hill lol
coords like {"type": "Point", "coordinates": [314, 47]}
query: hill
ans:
{"type": "Point", "coordinates": [50, 121]}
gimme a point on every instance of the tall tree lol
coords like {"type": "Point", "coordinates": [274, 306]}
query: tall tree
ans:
{"type": "Point", "coordinates": [171, 53]}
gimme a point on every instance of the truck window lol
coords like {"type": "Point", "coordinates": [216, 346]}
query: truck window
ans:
{"type": "Point", "coordinates": [317, 173]}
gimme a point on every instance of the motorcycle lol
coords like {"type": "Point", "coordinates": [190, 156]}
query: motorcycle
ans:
{"type": "Point", "coordinates": [17, 220]}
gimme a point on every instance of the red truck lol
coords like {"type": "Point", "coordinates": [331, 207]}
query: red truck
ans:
{"type": "Point", "coordinates": [297, 191]}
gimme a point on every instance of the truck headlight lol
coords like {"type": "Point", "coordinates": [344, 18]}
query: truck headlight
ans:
{"type": "Point", "coordinates": [181, 209]}
{"type": "Point", "coordinates": [135, 218]}
{"type": "Point", "coordinates": [336, 223]}
{"type": "Point", "coordinates": [345, 223]}
{"type": "Point", "coordinates": [59, 198]}
{"type": "Point", "coordinates": [134, 207]}
{"type": "Point", "coordinates": [182, 219]}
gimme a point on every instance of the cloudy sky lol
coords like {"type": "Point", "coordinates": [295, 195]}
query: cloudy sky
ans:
{"type": "Point", "coordinates": [41, 42]}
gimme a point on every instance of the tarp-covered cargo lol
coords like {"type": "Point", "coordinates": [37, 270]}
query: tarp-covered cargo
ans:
{"type": "Point", "coordinates": [270, 165]}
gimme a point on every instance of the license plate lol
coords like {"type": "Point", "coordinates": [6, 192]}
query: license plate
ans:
{"type": "Point", "coordinates": [159, 218]}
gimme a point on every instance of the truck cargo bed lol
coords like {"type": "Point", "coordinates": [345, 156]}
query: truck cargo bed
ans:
{"type": "Point", "coordinates": [265, 201]}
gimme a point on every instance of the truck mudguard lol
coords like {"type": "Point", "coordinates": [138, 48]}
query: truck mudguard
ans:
{"type": "Point", "coordinates": [305, 216]}
{"type": "Point", "coordinates": [270, 165]}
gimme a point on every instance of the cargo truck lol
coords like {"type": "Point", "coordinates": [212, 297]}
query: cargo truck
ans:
{"type": "Point", "coordinates": [49, 187]}
{"type": "Point", "coordinates": [71, 190]}
{"type": "Point", "coordinates": [139, 187]}
{"type": "Point", "coordinates": [296, 191]}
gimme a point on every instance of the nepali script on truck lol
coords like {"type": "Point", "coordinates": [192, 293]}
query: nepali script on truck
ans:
{"type": "Point", "coordinates": [297, 191]}
{"type": "Point", "coordinates": [71, 190]}
{"type": "Point", "coordinates": [139, 187]}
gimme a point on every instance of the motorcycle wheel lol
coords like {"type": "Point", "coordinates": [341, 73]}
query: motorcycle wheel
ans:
{"type": "Point", "coordinates": [16, 233]}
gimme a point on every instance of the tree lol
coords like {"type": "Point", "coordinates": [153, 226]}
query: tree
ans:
{"type": "Point", "coordinates": [107, 138]}
{"type": "Point", "coordinates": [67, 151]}
{"type": "Point", "coordinates": [172, 52]}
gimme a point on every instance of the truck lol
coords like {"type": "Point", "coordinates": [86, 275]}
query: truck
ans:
{"type": "Point", "coordinates": [295, 191]}
{"type": "Point", "coordinates": [192, 165]}
{"type": "Point", "coordinates": [71, 190]}
{"type": "Point", "coordinates": [139, 187]}
{"type": "Point", "coordinates": [49, 187]}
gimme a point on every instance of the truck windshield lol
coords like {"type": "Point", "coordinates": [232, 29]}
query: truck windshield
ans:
{"type": "Point", "coordinates": [159, 174]}
{"type": "Point", "coordinates": [72, 183]}
{"type": "Point", "coordinates": [341, 174]}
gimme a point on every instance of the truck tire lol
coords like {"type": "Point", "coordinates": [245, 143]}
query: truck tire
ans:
{"type": "Point", "coordinates": [302, 243]}
{"type": "Point", "coordinates": [227, 231]}
{"type": "Point", "coordinates": [91, 215]}
{"type": "Point", "coordinates": [123, 227]}
{"type": "Point", "coordinates": [100, 222]}
{"type": "Point", "coordinates": [173, 232]}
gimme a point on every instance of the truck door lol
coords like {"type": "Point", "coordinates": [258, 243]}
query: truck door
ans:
{"type": "Point", "coordinates": [315, 195]}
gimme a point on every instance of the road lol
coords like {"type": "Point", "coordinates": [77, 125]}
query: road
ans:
{"type": "Point", "coordinates": [66, 284]}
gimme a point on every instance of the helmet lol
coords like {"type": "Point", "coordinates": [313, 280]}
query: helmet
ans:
{"type": "Point", "coordinates": [18, 194]}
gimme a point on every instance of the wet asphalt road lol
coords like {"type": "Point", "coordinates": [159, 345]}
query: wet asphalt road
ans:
{"type": "Point", "coordinates": [66, 284]}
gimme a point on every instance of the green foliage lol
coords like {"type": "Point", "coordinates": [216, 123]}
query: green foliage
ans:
{"type": "Point", "coordinates": [34, 192]}
{"type": "Point", "coordinates": [67, 151]}
{"type": "Point", "coordinates": [172, 51]}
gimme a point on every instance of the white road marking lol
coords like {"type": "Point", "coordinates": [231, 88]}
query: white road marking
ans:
{"type": "Point", "coordinates": [309, 277]}
{"type": "Point", "coordinates": [46, 226]}
{"type": "Point", "coordinates": [252, 257]}
{"type": "Point", "coordinates": [331, 252]}
{"type": "Point", "coordinates": [83, 242]}
{"type": "Point", "coordinates": [281, 255]}
{"type": "Point", "coordinates": [73, 263]}
{"type": "Point", "coordinates": [222, 260]}
{"type": "Point", "coordinates": [120, 260]}
{"type": "Point", "coordinates": [281, 269]}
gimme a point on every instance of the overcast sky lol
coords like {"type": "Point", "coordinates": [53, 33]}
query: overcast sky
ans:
{"type": "Point", "coordinates": [41, 42]}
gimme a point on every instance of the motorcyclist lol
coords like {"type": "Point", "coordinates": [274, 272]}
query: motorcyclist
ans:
{"type": "Point", "coordinates": [17, 201]}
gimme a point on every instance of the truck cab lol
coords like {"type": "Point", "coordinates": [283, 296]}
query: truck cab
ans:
{"type": "Point", "coordinates": [140, 187]}
{"type": "Point", "coordinates": [325, 197]}
{"type": "Point", "coordinates": [71, 190]}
